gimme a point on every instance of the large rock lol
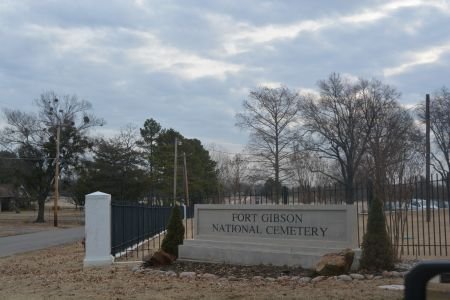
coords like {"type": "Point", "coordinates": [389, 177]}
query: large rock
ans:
{"type": "Point", "coordinates": [160, 258]}
{"type": "Point", "coordinates": [333, 264]}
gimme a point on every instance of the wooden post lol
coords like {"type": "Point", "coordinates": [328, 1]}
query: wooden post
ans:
{"type": "Point", "coordinates": [186, 186]}
{"type": "Point", "coordinates": [56, 198]}
{"type": "Point", "coordinates": [175, 173]}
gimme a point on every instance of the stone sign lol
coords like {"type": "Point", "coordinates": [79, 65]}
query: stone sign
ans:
{"type": "Point", "coordinates": [251, 234]}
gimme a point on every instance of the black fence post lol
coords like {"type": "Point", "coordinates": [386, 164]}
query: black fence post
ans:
{"type": "Point", "coordinates": [285, 193]}
{"type": "Point", "coordinates": [369, 194]}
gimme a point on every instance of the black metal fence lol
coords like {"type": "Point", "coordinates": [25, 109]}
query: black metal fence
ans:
{"type": "Point", "coordinates": [417, 228]}
{"type": "Point", "coordinates": [133, 223]}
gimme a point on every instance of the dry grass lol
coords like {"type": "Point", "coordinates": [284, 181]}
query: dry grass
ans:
{"type": "Point", "coordinates": [57, 273]}
{"type": "Point", "coordinates": [12, 223]}
{"type": "Point", "coordinates": [415, 236]}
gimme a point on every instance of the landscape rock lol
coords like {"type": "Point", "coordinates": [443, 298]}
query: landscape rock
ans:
{"type": "Point", "coordinates": [335, 263]}
{"type": "Point", "coordinates": [378, 277]}
{"type": "Point", "coordinates": [406, 265]}
{"type": "Point", "coordinates": [369, 276]}
{"type": "Point", "coordinates": [283, 278]}
{"type": "Point", "coordinates": [209, 276]}
{"type": "Point", "coordinates": [159, 259]}
{"type": "Point", "coordinates": [344, 278]}
{"type": "Point", "coordinates": [136, 269]}
{"type": "Point", "coordinates": [189, 275]}
{"type": "Point", "coordinates": [357, 276]}
{"type": "Point", "coordinates": [318, 279]}
{"type": "Point", "coordinates": [271, 279]}
{"type": "Point", "coordinates": [392, 287]}
{"type": "Point", "coordinates": [396, 274]}
{"type": "Point", "coordinates": [386, 274]}
{"type": "Point", "coordinates": [305, 279]}
{"type": "Point", "coordinates": [233, 278]}
{"type": "Point", "coordinates": [258, 278]}
{"type": "Point", "coordinates": [171, 274]}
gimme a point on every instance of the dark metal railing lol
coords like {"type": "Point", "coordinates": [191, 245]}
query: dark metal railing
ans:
{"type": "Point", "coordinates": [416, 228]}
{"type": "Point", "coordinates": [133, 223]}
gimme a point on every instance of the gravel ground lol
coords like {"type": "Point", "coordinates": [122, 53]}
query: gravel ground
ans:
{"type": "Point", "coordinates": [57, 273]}
{"type": "Point", "coordinates": [224, 270]}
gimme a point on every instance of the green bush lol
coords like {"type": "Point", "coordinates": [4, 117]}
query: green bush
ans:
{"type": "Point", "coordinates": [175, 233]}
{"type": "Point", "coordinates": [377, 253]}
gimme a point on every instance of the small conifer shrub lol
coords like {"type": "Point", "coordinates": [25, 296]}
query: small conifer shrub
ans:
{"type": "Point", "coordinates": [377, 253]}
{"type": "Point", "coordinates": [175, 233]}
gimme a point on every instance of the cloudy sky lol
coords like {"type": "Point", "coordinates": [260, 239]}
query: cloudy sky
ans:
{"type": "Point", "coordinates": [190, 64]}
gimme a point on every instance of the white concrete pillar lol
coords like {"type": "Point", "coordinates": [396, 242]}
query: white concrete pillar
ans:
{"type": "Point", "coordinates": [98, 230]}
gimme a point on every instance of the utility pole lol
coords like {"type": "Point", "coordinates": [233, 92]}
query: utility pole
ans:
{"type": "Point", "coordinates": [56, 198]}
{"type": "Point", "coordinates": [428, 163]}
{"type": "Point", "coordinates": [59, 124]}
{"type": "Point", "coordinates": [175, 173]}
{"type": "Point", "coordinates": [186, 186]}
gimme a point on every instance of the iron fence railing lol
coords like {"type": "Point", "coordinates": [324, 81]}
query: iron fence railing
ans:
{"type": "Point", "coordinates": [417, 227]}
{"type": "Point", "coordinates": [133, 223]}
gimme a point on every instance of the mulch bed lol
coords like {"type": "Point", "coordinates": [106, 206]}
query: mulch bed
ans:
{"type": "Point", "coordinates": [226, 270]}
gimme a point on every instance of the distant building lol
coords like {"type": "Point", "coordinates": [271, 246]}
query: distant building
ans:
{"type": "Point", "coordinates": [7, 196]}
{"type": "Point", "coordinates": [10, 197]}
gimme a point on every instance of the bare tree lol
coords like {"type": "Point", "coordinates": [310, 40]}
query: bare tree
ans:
{"type": "Point", "coordinates": [307, 168]}
{"type": "Point", "coordinates": [232, 170]}
{"type": "Point", "coordinates": [395, 139]}
{"type": "Point", "coordinates": [270, 114]}
{"type": "Point", "coordinates": [238, 170]}
{"type": "Point", "coordinates": [222, 159]}
{"type": "Point", "coordinates": [33, 137]}
{"type": "Point", "coordinates": [339, 124]}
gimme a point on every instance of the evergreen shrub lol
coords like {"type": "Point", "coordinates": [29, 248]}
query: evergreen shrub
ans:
{"type": "Point", "coordinates": [175, 232]}
{"type": "Point", "coordinates": [377, 253]}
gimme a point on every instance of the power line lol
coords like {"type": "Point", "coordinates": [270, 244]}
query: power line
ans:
{"type": "Point", "coordinates": [232, 153]}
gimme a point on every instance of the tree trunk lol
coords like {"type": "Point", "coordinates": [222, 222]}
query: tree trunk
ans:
{"type": "Point", "coordinates": [41, 209]}
{"type": "Point", "coordinates": [275, 191]}
{"type": "Point", "coordinates": [349, 190]}
{"type": "Point", "coordinates": [277, 171]}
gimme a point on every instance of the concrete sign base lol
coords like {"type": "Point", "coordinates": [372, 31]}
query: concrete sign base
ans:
{"type": "Point", "coordinates": [266, 234]}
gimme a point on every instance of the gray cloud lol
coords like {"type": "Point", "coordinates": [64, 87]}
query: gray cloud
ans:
{"type": "Point", "coordinates": [189, 64]}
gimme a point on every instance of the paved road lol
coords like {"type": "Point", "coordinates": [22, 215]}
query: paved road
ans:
{"type": "Point", "coordinates": [39, 240]}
